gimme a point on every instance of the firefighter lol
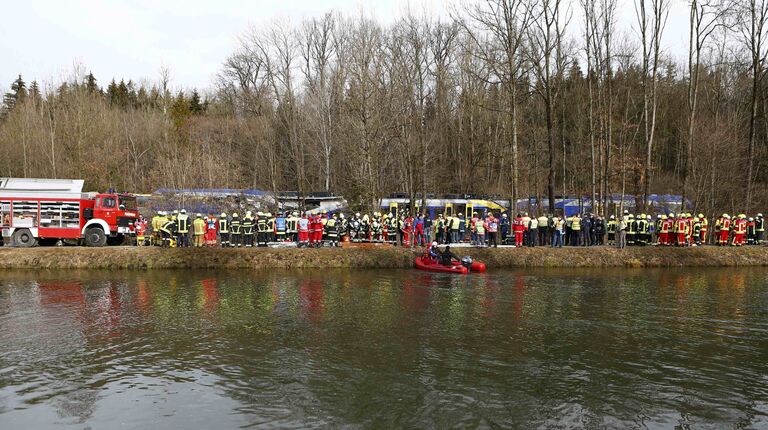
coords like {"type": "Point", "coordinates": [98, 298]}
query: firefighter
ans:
{"type": "Point", "coordinates": [261, 228]}
{"type": "Point", "coordinates": [680, 229]}
{"type": "Point", "coordinates": [247, 225]}
{"type": "Point", "coordinates": [376, 228]}
{"type": "Point", "coordinates": [611, 229]}
{"type": "Point", "coordinates": [664, 231]}
{"type": "Point", "coordinates": [182, 229]}
{"type": "Point", "coordinates": [696, 231]}
{"type": "Point", "coordinates": [751, 232]}
{"type": "Point", "coordinates": [167, 230]}
{"type": "Point", "coordinates": [391, 229]}
{"type": "Point", "coordinates": [739, 230]}
{"type": "Point", "coordinates": [270, 228]}
{"type": "Point", "coordinates": [343, 228]}
{"type": "Point", "coordinates": [642, 226]}
{"type": "Point", "coordinates": [759, 229]}
{"type": "Point", "coordinates": [223, 230]}
{"type": "Point", "coordinates": [332, 230]}
{"type": "Point", "coordinates": [235, 231]}
{"type": "Point", "coordinates": [291, 227]}
{"type": "Point", "coordinates": [156, 229]}
{"type": "Point", "coordinates": [704, 229]}
{"type": "Point", "coordinates": [198, 230]}
{"type": "Point", "coordinates": [725, 229]}
{"type": "Point", "coordinates": [155, 225]}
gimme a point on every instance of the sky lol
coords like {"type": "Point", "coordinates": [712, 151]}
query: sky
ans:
{"type": "Point", "coordinates": [47, 40]}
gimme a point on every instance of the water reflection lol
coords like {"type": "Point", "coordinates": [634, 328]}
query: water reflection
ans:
{"type": "Point", "coordinates": [526, 349]}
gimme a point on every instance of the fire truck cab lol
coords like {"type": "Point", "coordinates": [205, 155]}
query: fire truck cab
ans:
{"type": "Point", "coordinates": [45, 211]}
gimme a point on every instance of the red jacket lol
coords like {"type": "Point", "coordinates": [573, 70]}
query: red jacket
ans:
{"type": "Point", "coordinates": [518, 226]}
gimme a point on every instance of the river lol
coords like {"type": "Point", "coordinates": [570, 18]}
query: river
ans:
{"type": "Point", "coordinates": [611, 348]}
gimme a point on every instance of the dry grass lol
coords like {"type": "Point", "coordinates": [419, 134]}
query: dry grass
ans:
{"type": "Point", "coordinates": [155, 258]}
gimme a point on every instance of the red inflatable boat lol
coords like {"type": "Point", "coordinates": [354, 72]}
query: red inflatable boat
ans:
{"type": "Point", "coordinates": [426, 263]}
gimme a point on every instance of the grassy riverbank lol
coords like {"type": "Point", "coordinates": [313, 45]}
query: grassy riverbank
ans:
{"type": "Point", "coordinates": [262, 258]}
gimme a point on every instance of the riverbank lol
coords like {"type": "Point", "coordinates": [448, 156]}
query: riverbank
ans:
{"type": "Point", "coordinates": [369, 258]}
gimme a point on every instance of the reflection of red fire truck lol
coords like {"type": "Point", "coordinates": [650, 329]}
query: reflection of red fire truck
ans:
{"type": "Point", "coordinates": [47, 210]}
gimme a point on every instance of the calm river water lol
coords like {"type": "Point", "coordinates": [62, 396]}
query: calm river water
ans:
{"type": "Point", "coordinates": [609, 348]}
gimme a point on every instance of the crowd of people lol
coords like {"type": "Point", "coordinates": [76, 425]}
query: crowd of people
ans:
{"type": "Point", "coordinates": [179, 229]}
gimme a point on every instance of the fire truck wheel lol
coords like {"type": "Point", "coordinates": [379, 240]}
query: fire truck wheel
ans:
{"type": "Point", "coordinates": [23, 238]}
{"type": "Point", "coordinates": [95, 236]}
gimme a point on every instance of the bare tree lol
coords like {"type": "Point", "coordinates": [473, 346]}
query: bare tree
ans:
{"type": "Point", "coordinates": [651, 25]}
{"type": "Point", "coordinates": [497, 30]}
{"type": "Point", "coordinates": [548, 60]}
{"type": "Point", "coordinates": [753, 24]}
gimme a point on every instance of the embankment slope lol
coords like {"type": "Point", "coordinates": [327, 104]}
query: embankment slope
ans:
{"type": "Point", "coordinates": [381, 257]}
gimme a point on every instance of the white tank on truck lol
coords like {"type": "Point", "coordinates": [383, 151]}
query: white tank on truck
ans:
{"type": "Point", "coordinates": [44, 211]}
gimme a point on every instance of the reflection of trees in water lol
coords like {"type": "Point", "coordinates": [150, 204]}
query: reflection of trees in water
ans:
{"type": "Point", "coordinates": [613, 341]}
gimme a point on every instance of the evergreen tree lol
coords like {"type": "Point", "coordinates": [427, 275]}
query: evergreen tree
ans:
{"type": "Point", "coordinates": [112, 92]}
{"type": "Point", "coordinates": [122, 94]}
{"type": "Point", "coordinates": [142, 100]}
{"type": "Point", "coordinates": [34, 91]}
{"type": "Point", "coordinates": [180, 111]}
{"type": "Point", "coordinates": [131, 97]}
{"type": "Point", "coordinates": [194, 103]}
{"type": "Point", "coordinates": [90, 83]}
{"type": "Point", "coordinates": [17, 94]}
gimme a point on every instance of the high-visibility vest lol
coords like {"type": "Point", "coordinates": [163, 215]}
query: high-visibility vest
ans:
{"type": "Point", "coordinates": [303, 225]}
{"type": "Point", "coordinates": [261, 225]}
{"type": "Point", "coordinates": [330, 227]}
{"type": "Point", "coordinates": [183, 221]}
{"type": "Point", "coordinates": [291, 224]}
{"type": "Point", "coordinates": [575, 223]}
{"type": "Point", "coordinates": [681, 225]}
{"type": "Point", "coordinates": [759, 224]}
{"type": "Point", "coordinates": [741, 226]}
{"type": "Point", "coordinates": [542, 222]}
{"type": "Point", "coordinates": [167, 227]}
{"type": "Point", "coordinates": [223, 225]}
{"type": "Point", "coordinates": [726, 225]}
{"type": "Point", "coordinates": [611, 227]}
{"type": "Point", "coordinates": [199, 226]}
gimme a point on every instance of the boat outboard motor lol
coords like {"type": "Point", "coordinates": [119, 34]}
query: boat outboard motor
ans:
{"type": "Point", "coordinates": [467, 262]}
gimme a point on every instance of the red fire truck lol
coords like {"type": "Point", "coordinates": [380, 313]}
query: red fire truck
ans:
{"type": "Point", "coordinates": [45, 211]}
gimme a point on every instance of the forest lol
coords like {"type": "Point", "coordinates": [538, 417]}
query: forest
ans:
{"type": "Point", "coordinates": [503, 98]}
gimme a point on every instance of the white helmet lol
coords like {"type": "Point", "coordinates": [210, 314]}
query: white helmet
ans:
{"type": "Point", "coordinates": [434, 244]}
{"type": "Point", "coordinates": [183, 211]}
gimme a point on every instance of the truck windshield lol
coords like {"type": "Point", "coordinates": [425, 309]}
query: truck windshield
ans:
{"type": "Point", "coordinates": [128, 202]}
